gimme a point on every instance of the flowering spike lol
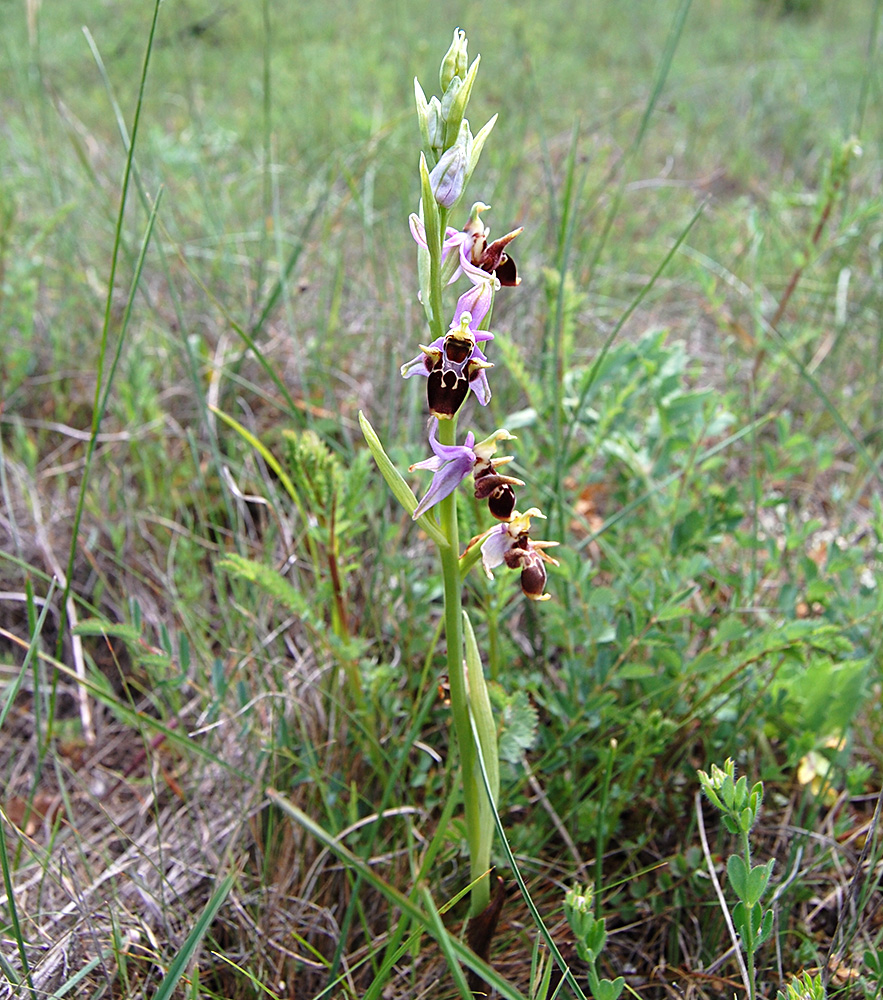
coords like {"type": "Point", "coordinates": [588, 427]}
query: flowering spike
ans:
{"type": "Point", "coordinates": [455, 364]}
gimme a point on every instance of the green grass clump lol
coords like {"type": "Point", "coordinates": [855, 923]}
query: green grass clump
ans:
{"type": "Point", "coordinates": [224, 723]}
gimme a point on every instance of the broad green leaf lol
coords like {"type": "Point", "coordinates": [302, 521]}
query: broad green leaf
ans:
{"type": "Point", "coordinates": [738, 876]}
{"type": "Point", "coordinates": [480, 706]}
{"type": "Point", "coordinates": [609, 990]}
{"type": "Point", "coordinates": [758, 878]}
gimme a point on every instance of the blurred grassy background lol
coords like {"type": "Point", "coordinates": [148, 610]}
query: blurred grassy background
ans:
{"type": "Point", "coordinates": [699, 588]}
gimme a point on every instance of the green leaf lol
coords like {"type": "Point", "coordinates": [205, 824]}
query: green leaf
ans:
{"type": "Point", "coordinates": [271, 582]}
{"type": "Point", "coordinates": [730, 629]}
{"type": "Point", "coordinates": [758, 878]}
{"type": "Point", "coordinates": [766, 927]}
{"type": "Point", "coordinates": [520, 723]}
{"type": "Point", "coordinates": [480, 707]}
{"type": "Point", "coordinates": [438, 926]}
{"type": "Point", "coordinates": [422, 111]}
{"type": "Point", "coordinates": [609, 990]}
{"type": "Point", "coordinates": [400, 489]}
{"type": "Point", "coordinates": [673, 613]}
{"type": "Point", "coordinates": [635, 671]}
{"type": "Point", "coordinates": [737, 872]}
{"type": "Point", "coordinates": [596, 936]}
{"type": "Point", "coordinates": [118, 630]}
{"type": "Point", "coordinates": [431, 220]}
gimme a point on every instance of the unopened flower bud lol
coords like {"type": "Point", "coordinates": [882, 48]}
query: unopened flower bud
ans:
{"type": "Point", "coordinates": [448, 98]}
{"type": "Point", "coordinates": [448, 177]}
{"type": "Point", "coordinates": [435, 126]}
{"type": "Point", "coordinates": [579, 900]}
{"type": "Point", "coordinates": [455, 61]}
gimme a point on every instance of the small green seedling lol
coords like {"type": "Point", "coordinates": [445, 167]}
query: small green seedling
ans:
{"type": "Point", "coordinates": [591, 935]}
{"type": "Point", "coordinates": [740, 807]}
{"type": "Point", "coordinates": [805, 987]}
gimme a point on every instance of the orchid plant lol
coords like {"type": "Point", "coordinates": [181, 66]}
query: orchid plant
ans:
{"type": "Point", "coordinates": [455, 364]}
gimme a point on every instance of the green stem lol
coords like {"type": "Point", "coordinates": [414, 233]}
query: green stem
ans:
{"type": "Point", "coordinates": [472, 787]}
{"type": "Point", "coordinates": [600, 838]}
{"type": "Point", "coordinates": [435, 281]}
{"type": "Point", "coordinates": [749, 944]}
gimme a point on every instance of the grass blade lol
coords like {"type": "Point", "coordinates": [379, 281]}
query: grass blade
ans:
{"type": "Point", "coordinates": [399, 899]}
{"type": "Point", "coordinates": [194, 939]}
{"type": "Point", "coordinates": [102, 387]}
{"type": "Point", "coordinates": [519, 878]}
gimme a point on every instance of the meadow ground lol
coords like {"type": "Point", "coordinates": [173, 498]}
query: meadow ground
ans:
{"type": "Point", "coordinates": [219, 635]}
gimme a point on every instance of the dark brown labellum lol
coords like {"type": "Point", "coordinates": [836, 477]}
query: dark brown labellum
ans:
{"type": "Point", "coordinates": [501, 502]}
{"type": "Point", "coordinates": [499, 494]}
{"type": "Point", "coordinates": [514, 558]}
{"type": "Point", "coordinates": [507, 272]}
{"type": "Point", "coordinates": [533, 576]}
{"type": "Point", "coordinates": [445, 393]}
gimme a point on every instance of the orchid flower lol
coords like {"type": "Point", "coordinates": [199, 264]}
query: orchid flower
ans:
{"type": "Point", "coordinates": [510, 543]}
{"type": "Point", "coordinates": [491, 257]}
{"type": "Point", "coordinates": [454, 364]}
{"type": "Point", "coordinates": [453, 238]}
{"type": "Point", "coordinates": [484, 281]}
{"type": "Point", "coordinates": [489, 484]}
{"type": "Point", "coordinates": [451, 464]}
